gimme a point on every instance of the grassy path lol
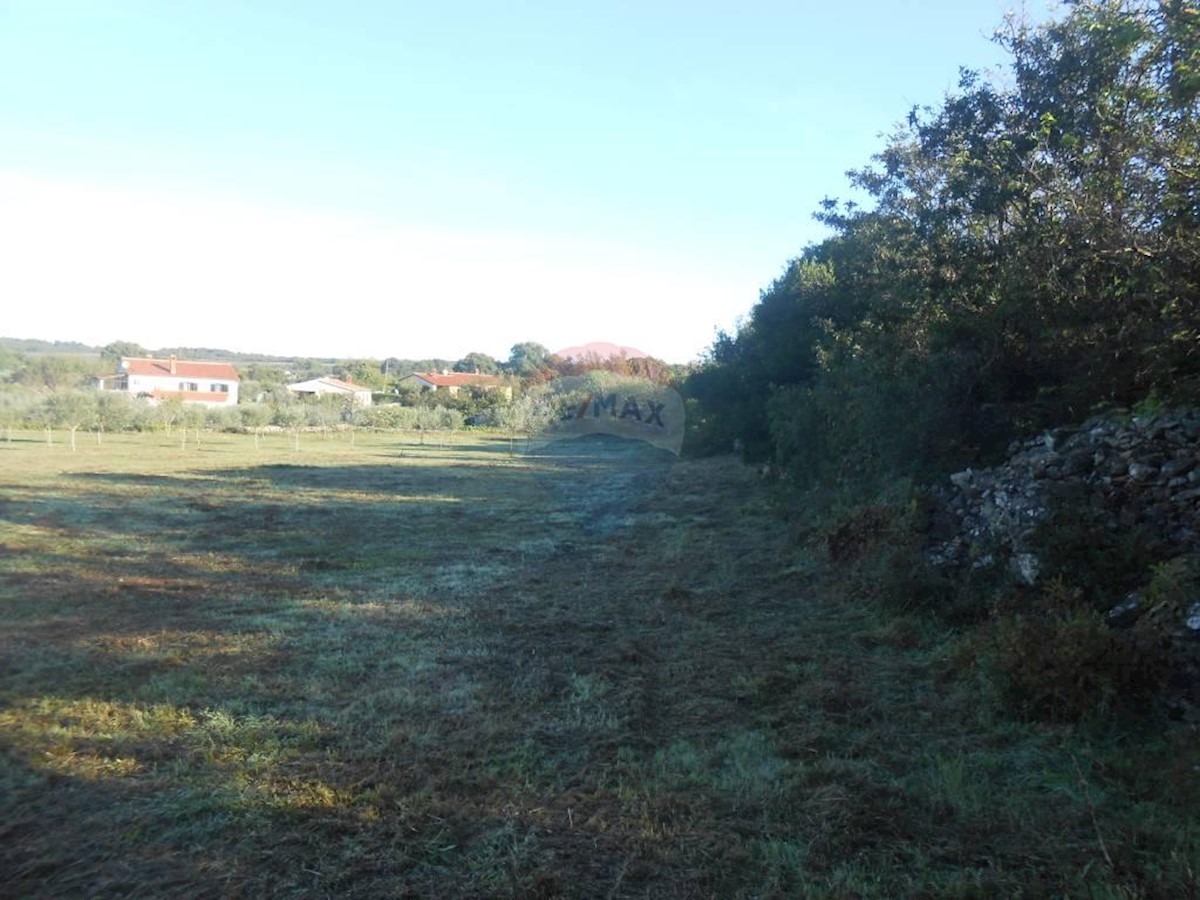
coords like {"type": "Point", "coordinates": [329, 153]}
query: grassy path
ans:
{"type": "Point", "coordinates": [397, 670]}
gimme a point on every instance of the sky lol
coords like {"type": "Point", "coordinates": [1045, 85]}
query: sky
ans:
{"type": "Point", "coordinates": [367, 179]}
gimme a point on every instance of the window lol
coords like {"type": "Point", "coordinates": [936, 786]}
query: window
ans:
{"type": "Point", "coordinates": [188, 386]}
{"type": "Point", "coordinates": [218, 388]}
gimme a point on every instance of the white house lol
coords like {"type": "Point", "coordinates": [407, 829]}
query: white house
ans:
{"type": "Point", "coordinates": [319, 387]}
{"type": "Point", "coordinates": [206, 383]}
{"type": "Point", "coordinates": [453, 382]}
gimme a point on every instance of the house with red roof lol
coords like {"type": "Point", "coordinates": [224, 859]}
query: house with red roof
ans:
{"type": "Point", "coordinates": [206, 383]}
{"type": "Point", "coordinates": [453, 382]}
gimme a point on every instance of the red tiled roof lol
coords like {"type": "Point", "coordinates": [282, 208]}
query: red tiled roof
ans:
{"type": "Point", "coordinates": [456, 379]}
{"type": "Point", "coordinates": [184, 368]}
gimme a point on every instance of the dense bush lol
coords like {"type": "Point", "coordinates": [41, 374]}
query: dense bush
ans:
{"type": "Point", "coordinates": [1076, 545]}
{"type": "Point", "coordinates": [1032, 250]}
{"type": "Point", "coordinates": [1059, 660]}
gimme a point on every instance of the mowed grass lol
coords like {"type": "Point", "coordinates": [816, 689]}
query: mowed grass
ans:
{"type": "Point", "coordinates": [402, 669]}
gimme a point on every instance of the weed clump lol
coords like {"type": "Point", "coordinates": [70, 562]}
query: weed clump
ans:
{"type": "Point", "coordinates": [1082, 545]}
{"type": "Point", "coordinates": [1059, 660]}
{"type": "Point", "coordinates": [878, 554]}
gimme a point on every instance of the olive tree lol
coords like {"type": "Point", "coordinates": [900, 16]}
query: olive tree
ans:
{"type": "Point", "coordinates": [70, 410]}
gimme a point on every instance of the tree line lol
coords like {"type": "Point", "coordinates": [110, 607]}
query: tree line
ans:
{"type": "Point", "coordinates": [52, 392]}
{"type": "Point", "coordinates": [1030, 253]}
{"type": "Point", "coordinates": [45, 366]}
{"type": "Point", "coordinates": [97, 413]}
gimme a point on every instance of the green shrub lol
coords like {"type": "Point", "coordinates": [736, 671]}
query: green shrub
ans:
{"type": "Point", "coordinates": [1076, 545]}
{"type": "Point", "coordinates": [876, 553]}
{"type": "Point", "coordinates": [1059, 661]}
{"type": "Point", "coordinates": [1173, 586]}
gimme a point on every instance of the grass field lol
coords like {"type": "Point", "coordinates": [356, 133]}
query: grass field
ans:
{"type": "Point", "coordinates": [391, 669]}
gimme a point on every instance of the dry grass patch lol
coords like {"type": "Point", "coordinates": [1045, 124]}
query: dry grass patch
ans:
{"type": "Point", "coordinates": [391, 670]}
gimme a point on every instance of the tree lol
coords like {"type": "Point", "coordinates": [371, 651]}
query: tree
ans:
{"type": "Point", "coordinates": [191, 416]}
{"type": "Point", "coordinates": [14, 408]}
{"type": "Point", "coordinates": [1031, 250]}
{"type": "Point", "coordinates": [70, 410]}
{"type": "Point", "coordinates": [256, 417]}
{"type": "Point", "coordinates": [55, 373]}
{"type": "Point", "coordinates": [354, 416]}
{"type": "Point", "coordinates": [407, 394]}
{"type": "Point", "coordinates": [389, 416]}
{"type": "Point", "coordinates": [114, 352]}
{"type": "Point", "coordinates": [169, 413]}
{"type": "Point", "coordinates": [42, 415]}
{"type": "Point", "coordinates": [368, 373]}
{"type": "Point", "coordinates": [222, 418]}
{"type": "Point", "coordinates": [114, 412]}
{"type": "Point", "coordinates": [452, 421]}
{"type": "Point", "coordinates": [527, 359]}
{"type": "Point", "coordinates": [478, 362]}
{"type": "Point", "coordinates": [524, 416]}
{"type": "Point", "coordinates": [290, 415]}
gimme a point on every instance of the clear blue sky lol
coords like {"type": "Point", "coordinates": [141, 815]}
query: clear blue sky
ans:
{"type": "Point", "coordinates": [390, 178]}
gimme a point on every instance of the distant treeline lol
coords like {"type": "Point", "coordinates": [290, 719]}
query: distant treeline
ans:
{"type": "Point", "coordinates": [116, 349]}
{"type": "Point", "coordinates": [48, 370]}
{"type": "Point", "coordinates": [32, 345]}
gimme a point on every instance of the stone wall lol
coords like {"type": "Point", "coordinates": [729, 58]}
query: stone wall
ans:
{"type": "Point", "coordinates": [1144, 471]}
{"type": "Point", "coordinates": [1139, 472]}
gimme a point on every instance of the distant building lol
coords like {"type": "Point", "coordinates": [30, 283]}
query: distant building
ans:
{"type": "Point", "coordinates": [453, 382]}
{"type": "Point", "coordinates": [323, 387]}
{"type": "Point", "coordinates": [205, 383]}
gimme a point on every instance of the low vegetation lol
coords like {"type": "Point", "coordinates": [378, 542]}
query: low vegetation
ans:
{"type": "Point", "coordinates": [1029, 252]}
{"type": "Point", "coordinates": [392, 669]}
{"type": "Point", "coordinates": [1026, 259]}
{"type": "Point", "coordinates": [299, 649]}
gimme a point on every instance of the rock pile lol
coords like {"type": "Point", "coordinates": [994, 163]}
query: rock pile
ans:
{"type": "Point", "coordinates": [1141, 472]}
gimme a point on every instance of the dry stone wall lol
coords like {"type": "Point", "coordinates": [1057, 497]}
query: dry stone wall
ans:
{"type": "Point", "coordinates": [1144, 471]}
{"type": "Point", "coordinates": [1138, 472]}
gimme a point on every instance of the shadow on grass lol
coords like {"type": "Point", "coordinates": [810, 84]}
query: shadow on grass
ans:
{"type": "Point", "coordinates": [306, 671]}
{"type": "Point", "coordinates": [80, 845]}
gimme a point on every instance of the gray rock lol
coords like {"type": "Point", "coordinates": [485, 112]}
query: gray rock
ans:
{"type": "Point", "coordinates": [1111, 465]}
{"type": "Point", "coordinates": [1142, 472]}
{"type": "Point", "coordinates": [984, 562]}
{"type": "Point", "coordinates": [1129, 475]}
{"type": "Point", "coordinates": [1173, 468]}
{"type": "Point", "coordinates": [1125, 613]}
{"type": "Point", "coordinates": [1027, 567]}
{"type": "Point", "coordinates": [961, 479]}
{"type": "Point", "coordinates": [1077, 463]}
